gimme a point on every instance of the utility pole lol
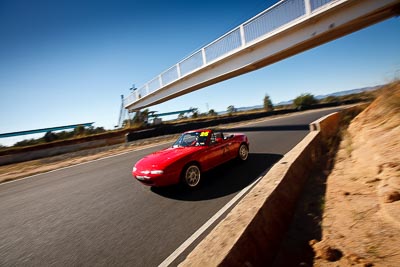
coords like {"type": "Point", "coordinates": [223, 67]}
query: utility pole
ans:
{"type": "Point", "coordinates": [121, 113]}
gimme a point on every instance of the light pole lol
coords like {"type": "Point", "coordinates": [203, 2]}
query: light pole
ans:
{"type": "Point", "coordinates": [133, 90]}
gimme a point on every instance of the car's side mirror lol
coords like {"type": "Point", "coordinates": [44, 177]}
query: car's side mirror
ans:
{"type": "Point", "coordinates": [218, 140]}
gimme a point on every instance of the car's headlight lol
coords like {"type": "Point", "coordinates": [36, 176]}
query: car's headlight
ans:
{"type": "Point", "coordinates": [157, 172]}
{"type": "Point", "coordinates": [134, 169]}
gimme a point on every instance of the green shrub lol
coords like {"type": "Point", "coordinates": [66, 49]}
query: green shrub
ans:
{"type": "Point", "coordinates": [304, 101]}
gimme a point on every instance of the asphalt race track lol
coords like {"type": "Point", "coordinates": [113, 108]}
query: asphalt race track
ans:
{"type": "Point", "coordinates": [95, 214]}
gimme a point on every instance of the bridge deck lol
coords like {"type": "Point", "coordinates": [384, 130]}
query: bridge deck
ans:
{"type": "Point", "coordinates": [285, 29]}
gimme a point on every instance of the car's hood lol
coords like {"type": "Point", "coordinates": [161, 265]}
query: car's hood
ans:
{"type": "Point", "coordinates": [162, 158]}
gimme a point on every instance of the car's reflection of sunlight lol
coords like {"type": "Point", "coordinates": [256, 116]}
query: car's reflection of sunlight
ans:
{"type": "Point", "coordinates": [224, 180]}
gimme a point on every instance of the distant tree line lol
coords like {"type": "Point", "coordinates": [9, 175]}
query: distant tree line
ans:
{"type": "Point", "coordinates": [307, 100]}
{"type": "Point", "coordinates": [195, 114]}
{"type": "Point", "coordinates": [79, 131]}
{"type": "Point", "coordinates": [140, 120]}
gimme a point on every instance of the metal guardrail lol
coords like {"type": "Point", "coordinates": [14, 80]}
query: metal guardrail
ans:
{"type": "Point", "coordinates": [266, 22]}
{"type": "Point", "coordinates": [44, 130]}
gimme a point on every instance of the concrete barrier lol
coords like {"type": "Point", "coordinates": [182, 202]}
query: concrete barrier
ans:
{"type": "Point", "coordinates": [327, 125]}
{"type": "Point", "coordinates": [251, 233]}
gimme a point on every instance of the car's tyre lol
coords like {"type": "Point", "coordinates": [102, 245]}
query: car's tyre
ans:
{"type": "Point", "coordinates": [191, 175]}
{"type": "Point", "coordinates": [243, 152]}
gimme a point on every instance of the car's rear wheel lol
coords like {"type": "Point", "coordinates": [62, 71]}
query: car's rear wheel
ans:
{"type": "Point", "coordinates": [191, 175]}
{"type": "Point", "coordinates": [243, 153]}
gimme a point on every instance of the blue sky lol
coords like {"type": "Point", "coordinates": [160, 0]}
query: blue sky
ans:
{"type": "Point", "coordinates": [65, 62]}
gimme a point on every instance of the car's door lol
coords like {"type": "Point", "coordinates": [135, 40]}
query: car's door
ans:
{"type": "Point", "coordinates": [231, 148]}
{"type": "Point", "coordinates": [213, 154]}
{"type": "Point", "coordinates": [225, 145]}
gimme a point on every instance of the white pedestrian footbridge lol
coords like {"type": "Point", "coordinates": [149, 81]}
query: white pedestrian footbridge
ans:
{"type": "Point", "coordinates": [287, 28]}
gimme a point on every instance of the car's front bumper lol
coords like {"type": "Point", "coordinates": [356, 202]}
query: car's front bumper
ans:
{"type": "Point", "coordinates": [157, 180]}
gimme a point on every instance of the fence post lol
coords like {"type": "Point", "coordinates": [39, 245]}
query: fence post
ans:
{"type": "Point", "coordinates": [160, 81]}
{"type": "Point", "coordinates": [242, 36]}
{"type": "Point", "coordinates": [307, 4]}
{"type": "Point", "coordinates": [203, 54]}
{"type": "Point", "coordinates": [178, 70]}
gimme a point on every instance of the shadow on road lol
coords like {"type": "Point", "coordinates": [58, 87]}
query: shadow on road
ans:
{"type": "Point", "coordinates": [223, 180]}
{"type": "Point", "coordinates": [300, 127]}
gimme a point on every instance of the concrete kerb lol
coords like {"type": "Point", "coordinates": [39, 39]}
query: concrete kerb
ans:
{"type": "Point", "coordinates": [251, 233]}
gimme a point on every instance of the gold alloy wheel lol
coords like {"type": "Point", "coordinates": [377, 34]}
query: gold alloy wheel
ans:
{"type": "Point", "coordinates": [192, 176]}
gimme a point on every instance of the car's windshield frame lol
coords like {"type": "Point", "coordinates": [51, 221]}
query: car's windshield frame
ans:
{"type": "Point", "coordinates": [192, 139]}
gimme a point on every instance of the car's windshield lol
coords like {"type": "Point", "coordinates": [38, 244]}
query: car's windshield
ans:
{"type": "Point", "coordinates": [192, 139]}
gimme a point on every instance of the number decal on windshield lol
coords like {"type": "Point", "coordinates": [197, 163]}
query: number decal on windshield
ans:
{"type": "Point", "coordinates": [204, 134]}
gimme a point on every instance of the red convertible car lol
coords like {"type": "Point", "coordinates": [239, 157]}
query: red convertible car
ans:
{"type": "Point", "coordinates": [192, 154]}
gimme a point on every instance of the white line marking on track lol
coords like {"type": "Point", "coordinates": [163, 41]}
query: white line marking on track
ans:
{"type": "Point", "coordinates": [205, 226]}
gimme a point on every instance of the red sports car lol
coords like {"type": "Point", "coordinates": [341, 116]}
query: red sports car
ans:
{"type": "Point", "coordinates": [192, 154]}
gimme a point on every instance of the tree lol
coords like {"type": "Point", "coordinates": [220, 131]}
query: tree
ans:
{"type": "Point", "coordinates": [304, 101]}
{"type": "Point", "coordinates": [195, 112]}
{"type": "Point", "coordinates": [268, 103]}
{"type": "Point", "coordinates": [79, 130]}
{"type": "Point", "coordinates": [212, 113]}
{"type": "Point", "coordinates": [182, 116]}
{"type": "Point", "coordinates": [65, 135]}
{"type": "Point", "coordinates": [97, 130]}
{"type": "Point", "coordinates": [330, 99]}
{"type": "Point", "coordinates": [231, 109]}
{"type": "Point", "coordinates": [3, 147]}
{"type": "Point", "coordinates": [27, 142]}
{"type": "Point", "coordinates": [50, 137]}
{"type": "Point", "coordinates": [141, 117]}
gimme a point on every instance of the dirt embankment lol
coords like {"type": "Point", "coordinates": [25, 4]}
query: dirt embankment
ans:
{"type": "Point", "coordinates": [361, 220]}
{"type": "Point", "coordinates": [349, 214]}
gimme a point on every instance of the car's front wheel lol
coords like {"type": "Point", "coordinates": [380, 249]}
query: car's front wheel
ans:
{"type": "Point", "coordinates": [191, 175]}
{"type": "Point", "coordinates": [243, 152]}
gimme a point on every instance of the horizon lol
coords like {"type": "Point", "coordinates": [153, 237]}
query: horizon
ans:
{"type": "Point", "coordinates": [174, 117]}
